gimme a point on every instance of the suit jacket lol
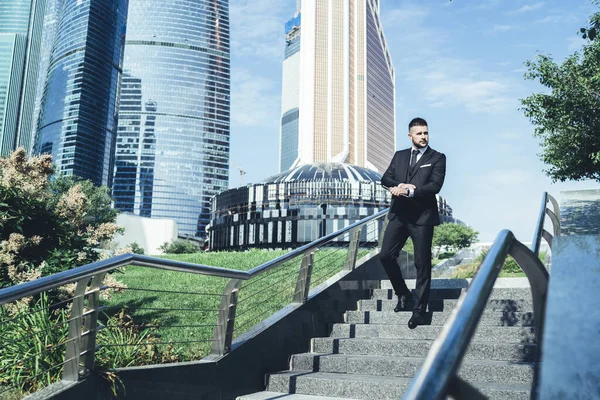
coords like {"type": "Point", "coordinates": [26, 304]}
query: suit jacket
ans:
{"type": "Point", "coordinates": [427, 175]}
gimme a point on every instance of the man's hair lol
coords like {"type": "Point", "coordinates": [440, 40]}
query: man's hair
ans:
{"type": "Point", "coordinates": [417, 122]}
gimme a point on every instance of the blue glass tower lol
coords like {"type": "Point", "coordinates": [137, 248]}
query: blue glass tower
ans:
{"type": "Point", "coordinates": [78, 117]}
{"type": "Point", "coordinates": [21, 23]}
{"type": "Point", "coordinates": [172, 151]}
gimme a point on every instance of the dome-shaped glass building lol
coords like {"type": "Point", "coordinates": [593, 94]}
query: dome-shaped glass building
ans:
{"type": "Point", "coordinates": [300, 205]}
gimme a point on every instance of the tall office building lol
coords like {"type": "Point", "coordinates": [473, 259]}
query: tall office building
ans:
{"type": "Point", "coordinates": [21, 23]}
{"type": "Point", "coordinates": [51, 22]}
{"type": "Point", "coordinates": [172, 151]}
{"type": "Point", "coordinates": [78, 118]}
{"type": "Point", "coordinates": [338, 100]}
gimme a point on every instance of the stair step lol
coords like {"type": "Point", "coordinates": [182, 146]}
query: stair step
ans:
{"type": "Point", "coordinates": [370, 387]}
{"type": "Point", "coordinates": [497, 293]}
{"type": "Point", "coordinates": [523, 305]}
{"type": "Point", "coordinates": [490, 317]}
{"type": "Point", "coordinates": [279, 395]}
{"type": "Point", "coordinates": [407, 367]}
{"type": "Point", "coordinates": [505, 334]}
{"type": "Point", "coordinates": [478, 350]}
{"type": "Point", "coordinates": [445, 283]}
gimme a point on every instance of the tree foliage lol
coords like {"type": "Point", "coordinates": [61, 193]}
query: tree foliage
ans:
{"type": "Point", "coordinates": [591, 31]}
{"type": "Point", "coordinates": [48, 226]}
{"type": "Point", "coordinates": [454, 236]}
{"type": "Point", "coordinates": [567, 118]}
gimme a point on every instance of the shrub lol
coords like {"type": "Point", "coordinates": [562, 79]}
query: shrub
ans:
{"type": "Point", "coordinates": [136, 248]}
{"type": "Point", "coordinates": [48, 226]}
{"type": "Point", "coordinates": [180, 246]}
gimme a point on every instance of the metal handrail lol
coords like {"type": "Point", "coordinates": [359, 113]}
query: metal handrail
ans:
{"type": "Point", "coordinates": [80, 351]}
{"type": "Point", "coordinates": [86, 271]}
{"type": "Point", "coordinates": [438, 375]}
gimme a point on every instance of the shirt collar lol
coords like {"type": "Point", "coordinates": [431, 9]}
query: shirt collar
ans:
{"type": "Point", "coordinates": [423, 150]}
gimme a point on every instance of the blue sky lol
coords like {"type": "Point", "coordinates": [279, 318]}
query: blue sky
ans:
{"type": "Point", "coordinates": [459, 65]}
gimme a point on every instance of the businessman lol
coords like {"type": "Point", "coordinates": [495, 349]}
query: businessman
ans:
{"type": "Point", "coordinates": [414, 177]}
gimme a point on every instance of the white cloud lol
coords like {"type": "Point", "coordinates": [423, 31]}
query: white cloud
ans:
{"type": "Point", "coordinates": [528, 8]}
{"type": "Point", "coordinates": [257, 27]}
{"type": "Point", "coordinates": [406, 13]}
{"type": "Point", "coordinates": [475, 95]}
{"type": "Point", "coordinates": [510, 176]}
{"type": "Point", "coordinates": [557, 19]}
{"type": "Point", "coordinates": [254, 99]}
{"type": "Point", "coordinates": [504, 28]}
{"type": "Point", "coordinates": [443, 79]}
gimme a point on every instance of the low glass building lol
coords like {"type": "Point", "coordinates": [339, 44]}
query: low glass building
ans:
{"type": "Point", "coordinates": [300, 205]}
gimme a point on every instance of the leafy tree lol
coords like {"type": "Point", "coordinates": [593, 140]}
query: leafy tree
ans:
{"type": "Point", "coordinates": [47, 227]}
{"type": "Point", "coordinates": [567, 118]}
{"type": "Point", "coordinates": [453, 236]}
{"type": "Point", "coordinates": [591, 31]}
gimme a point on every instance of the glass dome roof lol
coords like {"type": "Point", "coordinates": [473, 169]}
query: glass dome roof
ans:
{"type": "Point", "coordinates": [325, 172]}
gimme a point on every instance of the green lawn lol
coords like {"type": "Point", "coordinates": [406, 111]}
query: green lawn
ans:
{"type": "Point", "coordinates": [184, 306]}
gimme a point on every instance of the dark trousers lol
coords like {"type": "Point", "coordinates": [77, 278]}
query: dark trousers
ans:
{"type": "Point", "coordinates": [395, 236]}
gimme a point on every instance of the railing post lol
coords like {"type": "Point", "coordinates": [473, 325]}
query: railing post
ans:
{"type": "Point", "coordinates": [90, 323]}
{"type": "Point", "coordinates": [555, 221]}
{"type": "Point", "coordinates": [223, 335]}
{"type": "Point", "coordinates": [303, 281]}
{"type": "Point", "coordinates": [73, 347]}
{"type": "Point", "coordinates": [352, 250]}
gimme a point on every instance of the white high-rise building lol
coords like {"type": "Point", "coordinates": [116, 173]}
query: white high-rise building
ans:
{"type": "Point", "coordinates": [338, 100]}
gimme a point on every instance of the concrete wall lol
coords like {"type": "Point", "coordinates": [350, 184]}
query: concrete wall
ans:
{"type": "Point", "coordinates": [149, 233]}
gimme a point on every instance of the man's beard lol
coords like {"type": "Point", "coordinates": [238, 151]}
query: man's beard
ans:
{"type": "Point", "coordinates": [419, 145]}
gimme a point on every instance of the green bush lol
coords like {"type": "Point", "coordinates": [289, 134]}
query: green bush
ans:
{"type": "Point", "coordinates": [136, 248]}
{"type": "Point", "coordinates": [180, 246]}
{"type": "Point", "coordinates": [510, 264]}
{"type": "Point", "coordinates": [48, 225]}
{"type": "Point", "coordinates": [445, 255]}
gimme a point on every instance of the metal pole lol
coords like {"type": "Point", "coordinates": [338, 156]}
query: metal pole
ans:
{"type": "Point", "coordinates": [90, 324]}
{"type": "Point", "coordinates": [73, 348]}
{"type": "Point", "coordinates": [303, 281]}
{"type": "Point", "coordinates": [352, 250]}
{"type": "Point", "coordinates": [223, 334]}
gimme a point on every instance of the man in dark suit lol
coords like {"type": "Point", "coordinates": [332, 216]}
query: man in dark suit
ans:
{"type": "Point", "coordinates": [414, 177]}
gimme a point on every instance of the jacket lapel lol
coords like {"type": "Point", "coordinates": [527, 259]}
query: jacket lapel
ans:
{"type": "Point", "coordinates": [425, 157]}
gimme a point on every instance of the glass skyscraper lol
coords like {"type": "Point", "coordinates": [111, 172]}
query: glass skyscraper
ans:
{"type": "Point", "coordinates": [172, 151]}
{"type": "Point", "coordinates": [21, 23]}
{"type": "Point", "coordinates": [78, 117]}
{"type": "Point", "coordinates": [51, 21]}
{"type": "Point", "coordinates": [340, 105]}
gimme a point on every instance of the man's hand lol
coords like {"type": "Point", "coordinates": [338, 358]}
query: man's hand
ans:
{"type": "Point", "coordinates": [401, 190]}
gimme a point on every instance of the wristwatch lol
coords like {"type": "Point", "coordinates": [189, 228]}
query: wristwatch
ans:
{"type": "Point", "coordinates": [407, 191]}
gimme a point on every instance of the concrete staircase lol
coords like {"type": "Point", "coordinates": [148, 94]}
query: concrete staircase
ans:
{"type": "Point", "coordinates": [374, 354]}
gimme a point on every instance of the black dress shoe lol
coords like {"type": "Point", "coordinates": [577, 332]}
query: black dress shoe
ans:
{"type": "Point", "coordinates": [416, 319]}
{"type": "Point", "coordinates": [404, 302]}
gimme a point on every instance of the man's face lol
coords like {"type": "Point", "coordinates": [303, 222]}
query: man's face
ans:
{"type": "Point", "coordinates": [419, 136]}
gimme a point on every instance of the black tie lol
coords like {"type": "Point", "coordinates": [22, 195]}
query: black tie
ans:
{"type": "Point", "coordinates": [413, 158]}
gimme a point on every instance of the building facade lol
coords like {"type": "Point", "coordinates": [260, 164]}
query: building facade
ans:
{"type": "Point", "coordinates": [21, 26]}
{"type": "Point", "coordinates": [338, 89]}
{"type": "Point", "coordinates": [172, 151]}
{"type": "Point", "coordinates": [51, 22]}
{"type": "Point", "coordinates": [300, 205]}
{"type": "Point", "coordinates": [78, 117]}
